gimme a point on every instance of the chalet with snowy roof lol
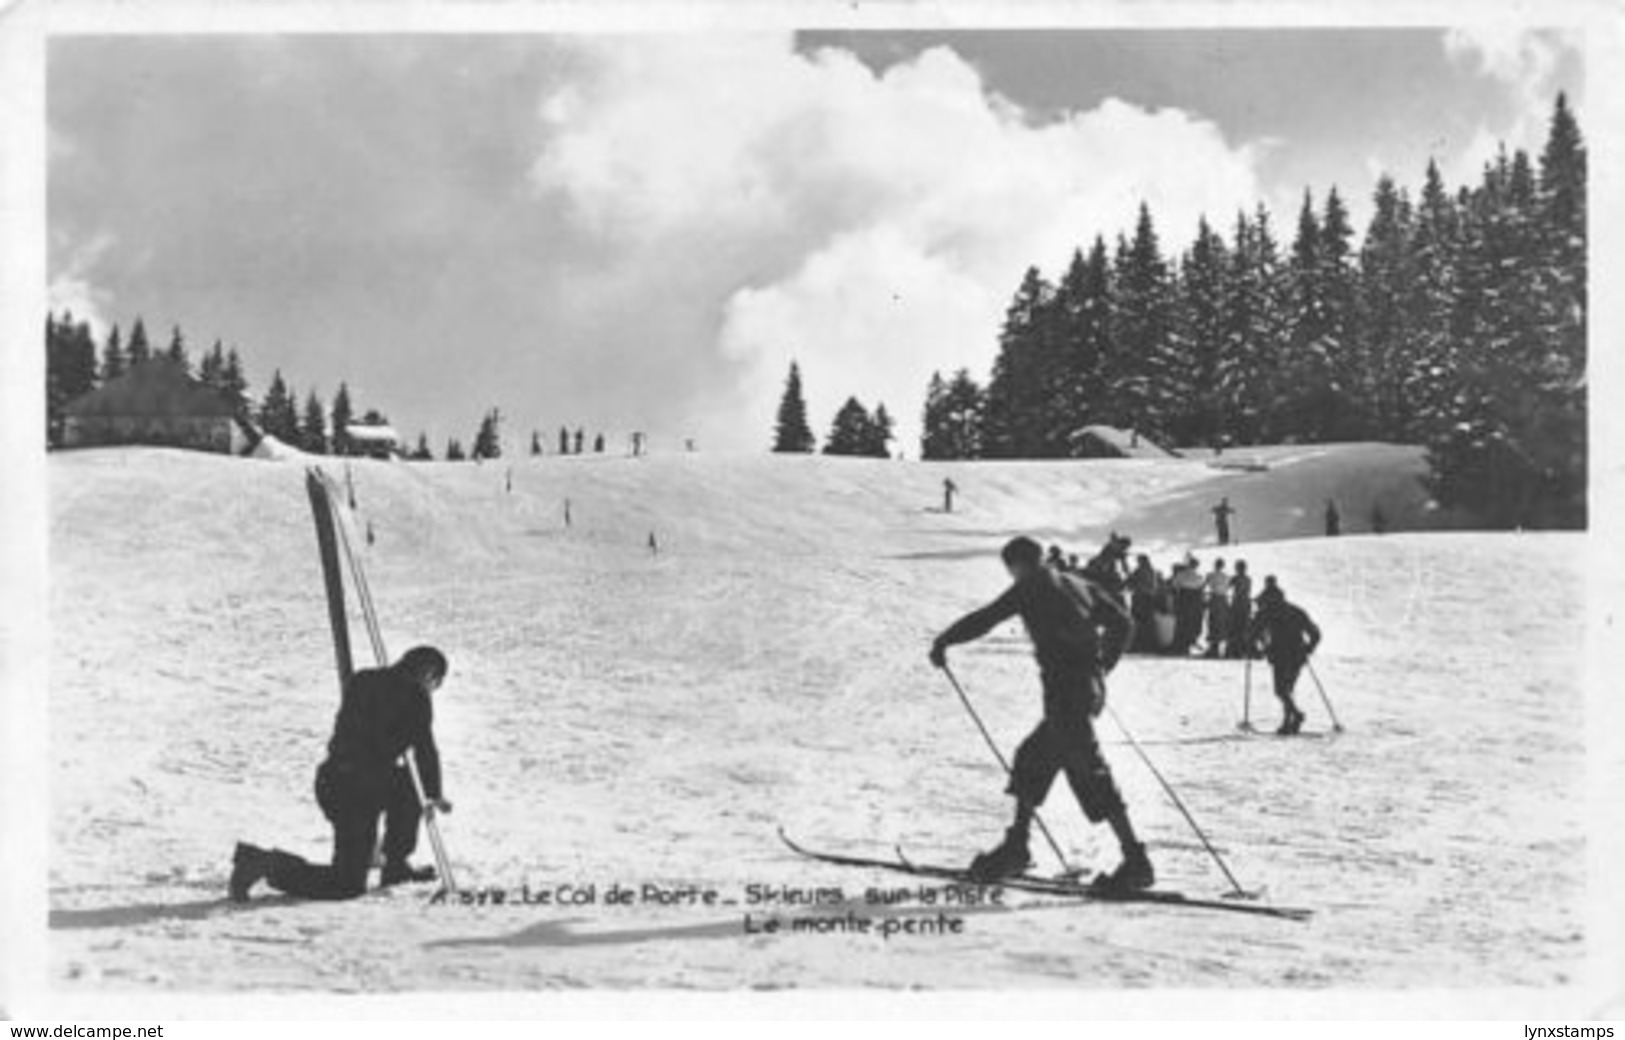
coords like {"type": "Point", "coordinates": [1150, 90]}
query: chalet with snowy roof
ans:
{"type": "Point", "coordinates": [156, 403]}
{"type": "Point", "coordinates": [1109, 442]}
{"type": "Point", "coordinates": [374, 440]}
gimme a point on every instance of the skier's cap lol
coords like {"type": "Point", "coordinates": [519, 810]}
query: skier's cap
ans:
{"type": "Point", "coordinates": [1022, 550]}
{"type": "Point", "coordinates": [425, 659]}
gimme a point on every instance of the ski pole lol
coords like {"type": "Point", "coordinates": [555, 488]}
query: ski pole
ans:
{"type": "Point", "coordinates": [1247, 695]}
{"type": "Point", "coordinates": [1337, 727]}
{"type": "Point", "coordinates": [1054, 847]}
{"type": "Point", "coordinates": [364, 593]}
{"type": "Point", "coordinates": [1236, 889]}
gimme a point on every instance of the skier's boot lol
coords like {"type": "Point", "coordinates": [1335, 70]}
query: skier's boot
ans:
{"type": "Point", "coordinates": [1296, 722]}
{"type": "Point", "coordinates": [401, 872]}
{"type": "Point", "coordinates": [1007, 859]}
{"type": "Point", "coordinates": [1134, 874]}
{"type": "Point", "coordinates": [248, 866]}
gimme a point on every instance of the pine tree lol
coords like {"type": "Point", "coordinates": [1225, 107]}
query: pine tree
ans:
{"type": "Point", "coordinates": [1346, 417]}
{"type": "Point", "coordinates": [791, 434]}
{"type": "Point", "coordinates": [1145, 377]}
{"type": "Point", "coordinates": [140, 350]}
{"type": "Point", "coordinates": [1013, 419]}
{"type": "Point", "coordinates": [953, 420]}
{"type": "Point", "coordinates": [852, 432]}
{"type": "Point", "coordinates": [564, 441]}
{"type": "Point", "coordinates": [212, 369]}
{"type": "Point", "coordinates": [1429, 304]}
{"type": "Point", "coordinates": [1384, 346]}
{"type": "Point", "coordinates": [234, 383]}
{"type": "Point", "coordinates": [880, 434]}
{"type": "Point", "coordinates": [1193, 367]}
{"type": "Point", "coordinates": [454, 450]}
{"type": "Point", "coordinates": [343, 415]}
{"type": "Point", "coordinates": [1510, 446]}
{"type": "Point", "coordinates": [963, 417]}
{"type": "Point", "coordinates": [176, 354]}
{"type": "Point", "coordinates": [1083, 329]}
{"type": "Point", "coordinates": [1304, 381]}
{"type": "Point", "coordinates": [278, 415]}
{"type": "Point", "coordinates": [933, 429]}
{"type": "Point", "coordinates": [1253, 332]}
{"type": "Point", "coordinates": [56, 395]}
{"type": "Point", "coordinates": [535, 442]}
{"type": "Point", "coordinates": [70, 369]}
{"type": "Point", "coordinates": [598, 444]}
{"type": "Point", "coordinates": [313, 430]}
{"type": "Point", "coordinates": [114, 363]}
{"type": "Point", "coordinates": [1562, 275]}
{"type": "Point", "coordinates": [488, 441]}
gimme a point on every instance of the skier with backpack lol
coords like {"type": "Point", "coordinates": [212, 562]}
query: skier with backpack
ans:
{"type": "Point", "coordinates": [1078, 633]}
{"type": "Point", "coordinates": [385, 713]}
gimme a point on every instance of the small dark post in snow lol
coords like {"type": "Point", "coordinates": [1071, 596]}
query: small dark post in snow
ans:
{"type": "Point", "coordinates": [948, 489]}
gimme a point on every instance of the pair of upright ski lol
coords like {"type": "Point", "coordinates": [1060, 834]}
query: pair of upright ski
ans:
{"type": "Point", "coordinates": [1073, 889]}
{"type": "Point", "coordinates": [336, 545]}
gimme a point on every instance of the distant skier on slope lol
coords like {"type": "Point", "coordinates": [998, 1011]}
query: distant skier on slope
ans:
{"type": "Point", "coordinates": [1221, 520]}
{"type": "Point", "coordinates": [385, 712]}
{"type": "Point", "coordinates": [1290, 636]}
{"type": "Point", "coordinates": [948, 489]}
{"type": "Point", "coordinates": [1078, 634]}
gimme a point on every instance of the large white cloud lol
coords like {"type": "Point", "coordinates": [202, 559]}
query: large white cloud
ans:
{"type": "Point", "coordinates": [872, 226]}
{"type": "Point", "coordinates": [1526, 63]}
{"type": "Point", "coordinates": [71, 288]}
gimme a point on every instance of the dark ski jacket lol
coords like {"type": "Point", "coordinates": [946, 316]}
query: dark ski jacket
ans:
{"type": "Point", "coordinates": [383, 713]}
{"type": "Point", "coordinates": [1065, 617]}
{"type": "Point", "coordinates": [1292, 635]}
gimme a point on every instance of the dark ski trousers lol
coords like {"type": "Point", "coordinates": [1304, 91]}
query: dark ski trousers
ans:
{"type": "Point", "coordinates": [1064, 742]}
{"type": "Point", "coordinates": [1143, 610]}
{"type": "Point", "coordinates": [1187, 619]}
{"type": "Point", "coordinates": [1241, 619]}
{"type": "Point", "coordinates": [1287, 670]}
{"type": "Point", "coordinates": [353, 797]}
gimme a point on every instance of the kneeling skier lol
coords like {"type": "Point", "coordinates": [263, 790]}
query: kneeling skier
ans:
{"type": "Point", "coordinates": [385, 713]}
{"type": "Point", "coordinates": [1078, 634]}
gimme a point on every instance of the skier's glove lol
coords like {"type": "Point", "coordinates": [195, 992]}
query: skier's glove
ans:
{"type": "Point", "coordinates": [437, 805]}
{"type": "Point", "coordinates": [939, 654]}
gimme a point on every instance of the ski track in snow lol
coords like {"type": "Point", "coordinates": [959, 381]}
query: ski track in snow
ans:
{"type": "Point", "coordinates": [614, 716]}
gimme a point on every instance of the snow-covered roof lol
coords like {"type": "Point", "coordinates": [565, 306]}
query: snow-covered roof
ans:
{"type": "Point", "coordinates": [374, 433]}
{"type": "Point", "coordinates": [1126, 442]}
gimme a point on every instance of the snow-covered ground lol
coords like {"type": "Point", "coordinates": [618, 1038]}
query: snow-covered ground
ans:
{"type": "Point", "coordinates": [620, 716]}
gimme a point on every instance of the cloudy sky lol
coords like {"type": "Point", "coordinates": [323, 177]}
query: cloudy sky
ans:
{"type": "Point", "coordinates": [639, 232]}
